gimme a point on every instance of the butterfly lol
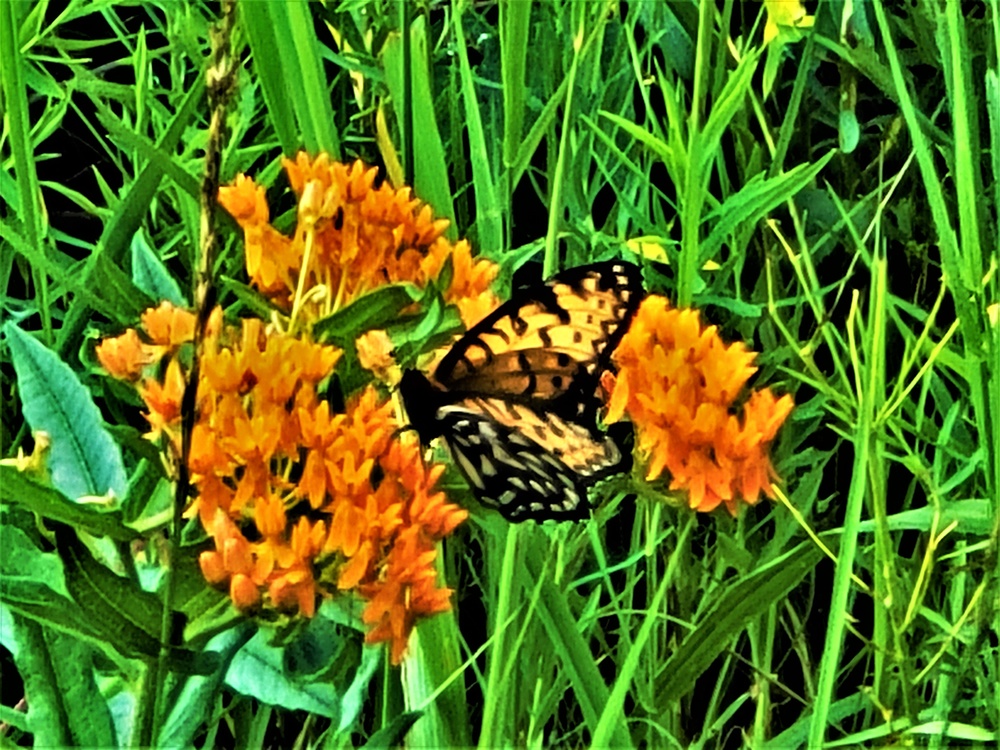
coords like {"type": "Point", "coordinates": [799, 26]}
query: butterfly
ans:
{"type": "Point", "coordinates": [516, 398]}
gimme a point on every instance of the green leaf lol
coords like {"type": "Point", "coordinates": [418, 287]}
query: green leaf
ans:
{"type": "Point", "coordinates": [353, 702]}
{"type": "Point", "coordinates": [581, 671]}
{"type": "Point", "coordinates": [88, 716]}
{"type": "Point", "coordinates": [130, 616]}
{"type": "Point", "coordinates": [374, 310]}
{"type": "Point", "coordinates": [130, 213]}
{"type": "Point", "coordinates": [973, 516]}
{"type": "Point", "coordinates": [65, 706]}
{"type": "Point", "coordinates": [36, 585]}
{"type": "Point", "coordinates": [150, 500]}
{"type": "Point", "coordinates": [285, 49]}
{"type": "Point", "coordinates": [724, 108]}
{"type": "Point", "coordinates": [658, 146]}
{"type": "Point", "coordinates": [196, 697]}
{"type": "Point", "coordinates": [16, 719]}
{"type": "Point", "coordinates": [118, 291]}
{"type": "Point", "coordinates": [209, 613]}
{"type": "Point", "coordinates": [393, 733]}
{"type": "Point", "coordinates": [741, 602]}
{"type": "Point", "coordinates": [425, 332]}
{"type": "Point", "coordinates": [489, 225]}
{"type": "Point", "coordinates": [797, 734]}
{"type": "Point", "coordinates": [268, 67]}
{"type": "Point", "coordinates": [756, 199]}
{"type": "Point", "coordinates": [849, 130]}
{"type": "Point", "coordinates": [250, 297]}
{"type": "Point", "coordinates": [19, 488]}
{"type": "Point", "coordinates": [83, 459]}
{"type": "Point", "coordinates": [28, 574]}
{"type": "Point", "coordinates": [257, 671]}
{"type": "Point", "coordinates": [430, 166]}
{"type": "Point", "coordinates": [151, 276]}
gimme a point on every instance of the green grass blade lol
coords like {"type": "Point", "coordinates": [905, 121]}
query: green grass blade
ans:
{"type": "Point", "coordinates": [489, 226]}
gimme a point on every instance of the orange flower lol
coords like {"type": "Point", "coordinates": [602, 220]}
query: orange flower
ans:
{"type": "Point", "coordinates": [354, 237]}
{"type": "Point", "coordinates": [300, 502]}
{"type": "Point", "coordinates": [262, 422]}
{"type": "Point", "coordinates": [678, 383]}
{"type": "Point", "coordinates": [168, 325]}
{"type": "Point", "coordinates": [125, 356]}
{"type": "Point", "coordinates": [164, 399]}
{"type": "Point", "coordinates": [407, 591]}
{"type": "Point", "coordinates": [375, 355]}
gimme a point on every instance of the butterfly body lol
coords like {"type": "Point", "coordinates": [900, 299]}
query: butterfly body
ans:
{"type": "Point", "coordinates": [516, 398]}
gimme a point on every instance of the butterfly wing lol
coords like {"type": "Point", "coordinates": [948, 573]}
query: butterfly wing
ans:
{"type": "Point", "coordinates": [515, 398]}
{"type": "Point", "coordinates": [522, 463]}
{"type": "Point", "coordinates": [547, 345]}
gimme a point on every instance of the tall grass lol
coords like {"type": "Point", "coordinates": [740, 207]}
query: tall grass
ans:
{"type": "Point", "coordinates": [829, 196]}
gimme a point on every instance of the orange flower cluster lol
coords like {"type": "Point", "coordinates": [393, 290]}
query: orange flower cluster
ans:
{"type": "Point", "coordinates": [351, 238]}
{"type": "Point", "coordinates": [298, 501]}
{"type": "Point", "coordinates": [678, 383]}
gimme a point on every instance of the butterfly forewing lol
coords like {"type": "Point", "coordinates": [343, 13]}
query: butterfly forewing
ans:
{"type": "Point", "coordinates": [547, 338]}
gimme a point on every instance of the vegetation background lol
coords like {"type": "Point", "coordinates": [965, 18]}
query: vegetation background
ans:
{"type": "Point", "coordinates": [821, 181]}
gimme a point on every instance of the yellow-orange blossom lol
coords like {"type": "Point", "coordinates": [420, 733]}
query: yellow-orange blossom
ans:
{"type": "Point", "coordinates": [678, 382]}
{"type": "Point", "coordinates": [265, 445]}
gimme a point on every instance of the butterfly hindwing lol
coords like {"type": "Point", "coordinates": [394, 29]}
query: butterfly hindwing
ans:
{"type": "Point", "coordinates": [515, 397]}
{"type": "Point", "coordinates": [538, 473]}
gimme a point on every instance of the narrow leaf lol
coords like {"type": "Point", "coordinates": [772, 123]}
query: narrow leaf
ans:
{"type": "Point", "coordinates": [18, 488]}
{"type": "Point", "coordinates": [151, 276]}
{"type": "Point", "coordinates": [374, 310]}
{"type": "Point", "coordinates": [741, 603]}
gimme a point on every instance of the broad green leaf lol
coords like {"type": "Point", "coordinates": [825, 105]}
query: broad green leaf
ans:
{"type": "Point", "coordinates": [88, 717]}
{"type": "Point", "coordinates": [131, 617]}
{"type": "Point", "coordinates": [83, 459]}
{"type": "Point", "coordinates": [26, 573]}
{"type": "Point", "coordinates": [151, 276]}
{"type": "Point", "coordinates": [37, 586]}
{"type": "Point", "coordinates": [65, 706]}
{"type": "Point", "coordinates": [258, 671]}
